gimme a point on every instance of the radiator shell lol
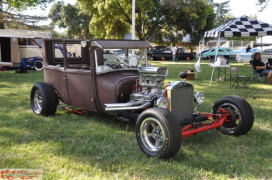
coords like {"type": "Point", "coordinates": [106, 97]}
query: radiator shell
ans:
{"type": "Point", "coordinates": [180, 98]}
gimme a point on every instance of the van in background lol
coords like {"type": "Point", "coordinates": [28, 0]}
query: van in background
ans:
{"type": "Point", "coordinates": [18, 44]}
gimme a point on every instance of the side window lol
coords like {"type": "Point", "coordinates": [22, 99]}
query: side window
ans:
{"type": "Point", "coordinates": [22, 41]}
{"type": "Point", "coordinates": [31, 42]}
{"type": "Point", "coordinates": [77, 57]}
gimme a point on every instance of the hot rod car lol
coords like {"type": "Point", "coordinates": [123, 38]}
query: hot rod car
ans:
{"type": "Point", "coordinates": [128, 87]}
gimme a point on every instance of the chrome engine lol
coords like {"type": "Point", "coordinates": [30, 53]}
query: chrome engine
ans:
{"type": "Point", "coordinates": [149, 88]}
{"type": "Point", "coordinates": [151, 82]}
{"type": "Point", "coordinates": [148, 91]}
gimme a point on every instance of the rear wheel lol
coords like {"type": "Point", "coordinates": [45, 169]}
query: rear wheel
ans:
{"type": "Point", "coordinates": [158, 133]}
{"type": "Point", "coordinates": [38, 65]}
{"type": "Point", "coordinates": [188, 58]}
{"type": "Point", "coordinates": [43, 99]}
{"type": "Point", "coordinates": [241, 116]}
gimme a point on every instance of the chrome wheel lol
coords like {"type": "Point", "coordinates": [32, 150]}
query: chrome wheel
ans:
{"type": "Point", "coordinates": [158, 133]}
{"type": "Point", "coordinates": [37, 102]}
{"type": "Point", "coordinates": [152, 134]}
{"type": "Point", "coordinates": [43, 99]}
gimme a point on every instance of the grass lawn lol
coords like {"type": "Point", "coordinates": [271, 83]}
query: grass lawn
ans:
{"type": "Point", "coordinates": [95, 146]}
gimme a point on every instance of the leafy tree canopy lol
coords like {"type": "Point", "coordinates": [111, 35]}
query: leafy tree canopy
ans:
{"type": "Point", "coordinates": [12, 18]}
{"type": "Point", "coordinates": [71, 17]}
{"type": "Point", "coordinates": [156, 20]}
{"type": "Point", "coordinates": [23, 4]}
{"type": "Point", "coordinates": [263, 4]}
{"type": "Point", "coordinates": [221, 11]}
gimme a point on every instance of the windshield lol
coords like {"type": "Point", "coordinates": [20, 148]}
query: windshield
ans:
{"type": "Point", "coordinates": [38, 41]}
{"type": "Point", "coordinates": [120, 59]}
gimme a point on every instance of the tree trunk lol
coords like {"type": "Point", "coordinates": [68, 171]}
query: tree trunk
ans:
{"type": "Point", "coordinates": [1, 16]}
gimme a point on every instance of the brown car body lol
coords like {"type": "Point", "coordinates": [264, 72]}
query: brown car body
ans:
{"type": "Point", "coordinates": [113, 77]}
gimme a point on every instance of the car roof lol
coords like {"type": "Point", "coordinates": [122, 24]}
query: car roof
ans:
{"type": "Point", "coordinates": [224, 47]}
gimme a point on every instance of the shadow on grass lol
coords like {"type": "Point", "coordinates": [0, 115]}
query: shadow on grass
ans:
{"type": "Point", "coordinates": [101, 141]}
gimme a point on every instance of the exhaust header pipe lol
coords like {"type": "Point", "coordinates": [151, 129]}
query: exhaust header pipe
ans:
{"type": "Point", "coordinates": [126, 106]}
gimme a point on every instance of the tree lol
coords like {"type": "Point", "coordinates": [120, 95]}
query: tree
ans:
{"type": "Point", "coordinates": [11, 17]}
{"type": "Point", "coordinates": [71, 17]}
{"type": "Point", "coordinates": [221, 11]}
{"type": "Point", "coordinates": [156, 20]}
{"type": "Point", "coordinates": [192, 17]}
{"type": "Point", "coordinates": [263, 4]}
{"type": "Point", "coordinates": [111, 19]}
{"type": "Point", "coordinates": [23, 4]}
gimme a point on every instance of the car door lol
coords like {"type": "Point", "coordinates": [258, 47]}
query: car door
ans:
{"type": "Point", "coordinates": [167, 53]}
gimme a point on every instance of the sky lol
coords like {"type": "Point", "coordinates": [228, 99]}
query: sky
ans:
{"type": "Point", "coordinates": [248, 7]}
{"type": "Point", "coordinates": [40, 12]}
{"type": "Point", "coordinates": [238, 8]}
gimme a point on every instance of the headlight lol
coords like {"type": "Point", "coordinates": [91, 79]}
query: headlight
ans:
{"type": "Point", "coordinates": [162, 102]}
{"type": "Point", "coordinates": [199, 97]}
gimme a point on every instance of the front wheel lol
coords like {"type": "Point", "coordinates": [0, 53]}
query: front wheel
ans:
{"type": "Point", "coordinates": [241, 117]}
{"type": "Point", "coordinates": [43, 99]}
{"type": "Point", "coordinates": [158, 133]}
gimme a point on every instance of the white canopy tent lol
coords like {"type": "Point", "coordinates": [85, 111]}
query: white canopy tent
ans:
{"type": "Point", "coordinates": [241, 27]}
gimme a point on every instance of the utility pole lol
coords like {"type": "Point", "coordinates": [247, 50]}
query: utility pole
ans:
{"type": "Point", "coordinates": [133, 19]}
{"type": "Point", "coordinates": [133, 23]}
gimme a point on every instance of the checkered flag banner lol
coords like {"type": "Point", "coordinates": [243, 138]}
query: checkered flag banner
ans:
{"type": "Point", "coordinates": [243, 26]}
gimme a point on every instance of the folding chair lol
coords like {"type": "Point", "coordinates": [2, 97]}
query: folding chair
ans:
{"type": "Point", "coordinates": [32, 64]}
{"type": "Point", "coordinates": [25, 65]}
{"type": "Point", "coordinates": [236, 80]}
{"type": "Point", "coordinates": [256, 74]}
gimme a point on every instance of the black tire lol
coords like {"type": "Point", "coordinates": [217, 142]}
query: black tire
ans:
{"type": "Point", "coordinates": [38, 65]}
{"type": "Point", "coordinates": [241, 116]}
{"type": "Point", "coordinates": [158, 133]}
{"type": "Point", "coordinates": [149, 57]}
{"type": "Point", "coordinates": [43, 99]}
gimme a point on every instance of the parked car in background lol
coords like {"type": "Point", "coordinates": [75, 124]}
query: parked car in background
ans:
{"type": "Point", "coordinates": [240, 57]}
{"type": "Point", "coordinates": [166, 53]}
{"type": "Point", "coordinates": [235, 52]}
{"type": "Point", "coordinates": [203, 51]}
{"type": "Point", "coordinates": [246, 57]}
{"type": "Point", "coordinates": [224, 51]}
{"type": "Point", "coordinates": [154, 49]}
{"type": "Point", "coordinates": [17, 44]}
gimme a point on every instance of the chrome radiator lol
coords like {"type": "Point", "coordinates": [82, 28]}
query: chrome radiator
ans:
{"type": "Point", "coordinates": [180, 98]}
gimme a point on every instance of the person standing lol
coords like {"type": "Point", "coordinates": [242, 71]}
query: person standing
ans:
{"type": "Point", "coordinates": [248, 48]}
{"type": "Point", "coordinates": [174, 53]}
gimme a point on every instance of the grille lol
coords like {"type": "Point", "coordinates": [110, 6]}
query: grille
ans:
{"type": "Point", "coordinates": [180, 97]}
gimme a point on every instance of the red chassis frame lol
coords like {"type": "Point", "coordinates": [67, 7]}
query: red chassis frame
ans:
{"type": "Point", "coordinates": [191, 129]}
